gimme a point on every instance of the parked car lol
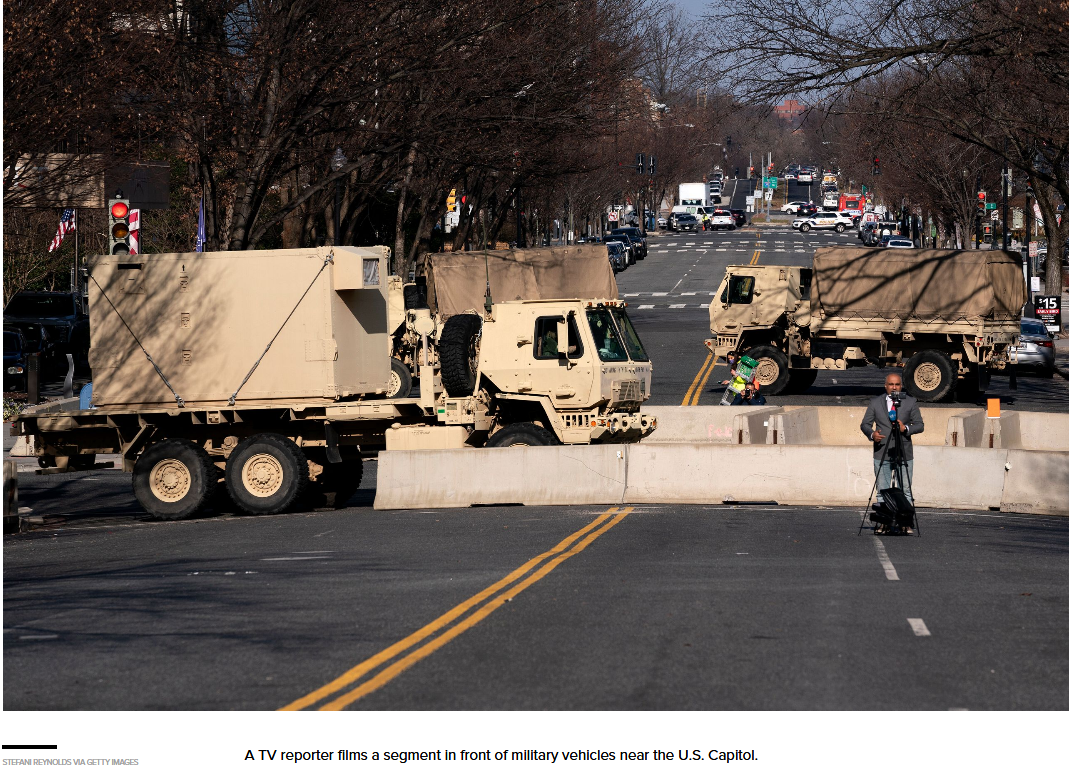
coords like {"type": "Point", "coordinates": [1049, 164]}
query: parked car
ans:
{"type": "Point", "coordinates": [662, 222]}
{"type": "Point", "coordinates": [617, 255]}
{"type": "Point", "coordinates": [825, 220]}
{"type": "Point", "coordinates": [632, 237]}
{"type": "Point", "coordinates": [14, 362]}
{"type": "Point", "coordinates": [793, 206]}
{"type": "Point", "coordinates": [896, 242]}
{"type": "Point", "coordinates": [634, 247]}
{"type": "Point", "coordinates": [740, 216]}
{"type": "Point", "coordinates": [722, 219]}
{"type": "Point", "coordinates": [1036, 352]}
{"type": "Point", "coordinates": [684, 222]}
{"type": "Point", "coordinates": [51, 323]}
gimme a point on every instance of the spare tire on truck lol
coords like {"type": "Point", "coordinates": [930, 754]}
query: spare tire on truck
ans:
{"type": "Point", "coordinates": [930, 376]}
{"type": "Point", "coordinates": [458, 351]}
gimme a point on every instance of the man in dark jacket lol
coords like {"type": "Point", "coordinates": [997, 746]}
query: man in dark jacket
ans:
{"type": "Point", "coordinates": [909, 422]}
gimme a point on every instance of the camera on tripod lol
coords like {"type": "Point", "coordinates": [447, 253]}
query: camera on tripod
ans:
{"type": "Point", "coordinates": [893, 510]}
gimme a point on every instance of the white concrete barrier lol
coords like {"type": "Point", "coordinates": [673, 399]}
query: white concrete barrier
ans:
{"type": "Point", "coordinates": [1036, 483]}
{"type": "Point", "coordinates": [537, 476]}
{"type": "Point", "coordinates": [1043, 430]}
{"type": "Point", "coordinates": [958, 478]}
{"type": "Point", "coordinates": [800, 425]}
{"type": "Point", "coordinates": [965, 428]}
{"type": "Point", "coordinates": [710, 424]}
{"type": "Point", "coordinates": [712, 474]}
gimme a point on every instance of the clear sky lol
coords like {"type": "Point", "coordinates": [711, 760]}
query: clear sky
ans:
{"type": "Point", "coordinates": [694, 7]}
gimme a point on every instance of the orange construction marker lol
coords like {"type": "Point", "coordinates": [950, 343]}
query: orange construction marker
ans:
{"type": "Point", "coordinates": [993, 405]}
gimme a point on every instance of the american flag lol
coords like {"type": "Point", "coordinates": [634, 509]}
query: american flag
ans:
{"type": "Point", "coordinates": [66, 222]}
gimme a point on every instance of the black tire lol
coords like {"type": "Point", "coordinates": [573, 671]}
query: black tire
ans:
{"type": "Point", "coordinates": [338, 483]}
{"type": "Point", "coordinates": [523, 435]}
{"type": "Point", "coordinates": [805, 227]}
{"type": "Point", "coordinates": [800, 379]}
{"type": "Point", "coordinates": [266, 474]}
{"type": "Point", "coordinates": [174, 479]}
{"type": "Point", "coordinates": [400, 380]}
{"type": "Point", "coordinates": [840, 228]}
{"type": "Point", "coordinates": [458, 351]}
{"type": "Point", "coordinates": [771, 369]}
{"type": "Point", "coordinates": [930, 376]}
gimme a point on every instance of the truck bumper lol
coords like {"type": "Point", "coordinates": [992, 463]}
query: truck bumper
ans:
{"type": "Point", "coordinates": [621, 426]}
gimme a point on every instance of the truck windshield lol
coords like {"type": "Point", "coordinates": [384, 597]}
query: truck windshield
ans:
{"type": "Point", "coordinates": [631, 340]}
{"type": "Point", "coordinates": [606, 338]}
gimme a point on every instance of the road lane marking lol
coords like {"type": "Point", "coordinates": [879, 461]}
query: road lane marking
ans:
{"type": "Point", "coordinates": [549, 561]}
{"type": "Point", "coordinates": [756, 255]}
{"type": "Point", "coordinates": [660, 295]}
{"type": "Point", "coordinates": [697, 378]}
{"type": "Point", "coordinates": [885, 561]}
{"type": "Point", "coordinates": [677, 306]}
{"type": "Point", "coordinates": [701, 386]}
{"type": "Point", "coordinates": [690, 293]}
{"type": "Point", "coordinates": [918, 627]}
{"type": "Point", "coordinates": [395, 649]}
{"type": "Point", "coordinates": [646, 306]}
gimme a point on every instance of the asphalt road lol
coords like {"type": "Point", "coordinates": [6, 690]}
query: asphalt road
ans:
{"type": "Point", "coordinates": [660, 607]}
{"type": "Point", "coordinates": [670, 290]}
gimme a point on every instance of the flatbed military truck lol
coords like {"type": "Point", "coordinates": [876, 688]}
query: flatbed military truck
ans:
{"type": "Point", "coordinates": [946, 317]}
{"type": "Point", "coordinates": [266, 373]}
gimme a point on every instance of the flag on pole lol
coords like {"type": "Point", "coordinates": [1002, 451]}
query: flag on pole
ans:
{"type": "Point", "coordinates": [135, 231]}
{"type": "Point", "coordinates": [201, 235]}
{"type": "Point", "coordinates": [66, 223]}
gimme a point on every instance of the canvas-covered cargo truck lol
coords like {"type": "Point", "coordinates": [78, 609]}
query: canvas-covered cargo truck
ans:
{"type": "Point", "coordinates": [946, 317]}
{"type": "Point", "coordinates": [455, 282]}
{"type": "Point", "coordinates": [265, 374]}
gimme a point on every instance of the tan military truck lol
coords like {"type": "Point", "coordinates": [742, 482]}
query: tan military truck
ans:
{"type": "Point", "coordinates": [451, 283]}
{"type": "Point", "coordinates": [946, 317]}
{"type": "Point", "coordinates": [267, 372]}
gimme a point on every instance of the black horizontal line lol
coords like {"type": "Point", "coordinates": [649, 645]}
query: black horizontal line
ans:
{"type": "Point", "coordinates": [31, 747]}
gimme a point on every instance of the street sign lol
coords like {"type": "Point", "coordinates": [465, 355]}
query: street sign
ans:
{"type": "Point", "coordinates": [1033, 249]}
{"type": "Point", "coordinates": [759, 194]}
{"type": "Point", "coordinates": [770, 183]}
{"type": "Point", "coordinates": [614, 216]}
{"type": "Point", "coordinates": [990, 206]}
{"type": "Point", "coordinates": [1049, 309]}
{"type": "Point", "coordinates": [768, 194]}
{"type": "Point", "coordinates": [1035, 284]}
{"type": "Point", "coordinates": [749, 200]}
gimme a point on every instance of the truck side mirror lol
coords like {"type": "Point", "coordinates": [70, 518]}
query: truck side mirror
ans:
{"type": "Point", "coordinates": [562, 339]}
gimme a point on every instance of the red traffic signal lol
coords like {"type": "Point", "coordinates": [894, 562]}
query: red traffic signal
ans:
{"type": "Point", "coordinates": [119, 210]}
{"type": "Point", "coordinates": [981, 196]}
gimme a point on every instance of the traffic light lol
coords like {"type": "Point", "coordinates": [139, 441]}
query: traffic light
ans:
{"type": "Point", "coordinates": [653, 165]}
{"type": "Point", "coordinates": [751, 173]}
{"type": "Point", "coordinates": [119, 225]}
{"type": "Point", "coordinates": [875, 166]}
{"type": "Point", "coordinates": [451, 201]}
{"type": "Point", "coordinates": [770, 169]}
{"type": "Point", "coordinates": [981, 198]}
{"type": "Point", "coordinates": [640, 163]}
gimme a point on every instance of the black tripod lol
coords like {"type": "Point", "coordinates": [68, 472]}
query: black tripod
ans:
{"type": "Point", "coordinates": [898, 512]}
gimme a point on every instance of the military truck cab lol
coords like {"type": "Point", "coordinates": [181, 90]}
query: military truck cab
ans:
{"type": "Point", "coordinates": [546, 372]}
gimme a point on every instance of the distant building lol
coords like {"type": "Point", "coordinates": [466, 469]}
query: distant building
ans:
{"type": "Point", "coordinates": [789, 110]}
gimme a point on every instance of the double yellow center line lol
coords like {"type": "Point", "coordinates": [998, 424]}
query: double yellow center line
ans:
{"type": "Point", "coordinates": [445, 628]}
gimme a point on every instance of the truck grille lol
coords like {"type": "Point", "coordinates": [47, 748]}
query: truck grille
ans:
{"type": "Point", "coordinates": [627, 391]}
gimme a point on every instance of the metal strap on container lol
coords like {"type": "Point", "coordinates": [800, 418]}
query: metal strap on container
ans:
{"type": "Point", "coordinates": [177, 397]}
{"type": "Point", "coordinates": [233, 398]}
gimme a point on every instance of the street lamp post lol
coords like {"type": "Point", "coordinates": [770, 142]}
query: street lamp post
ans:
{"type": "Point", "coordinates": [337, 161]}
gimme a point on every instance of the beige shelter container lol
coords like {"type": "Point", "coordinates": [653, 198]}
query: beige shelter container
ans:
{"type": "Point", "coordinates": [457, 280]}
{"type": "Point", "coordinates": [207, 318]}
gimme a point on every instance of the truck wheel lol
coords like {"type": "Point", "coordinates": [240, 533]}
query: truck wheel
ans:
{"type": "Point", "coordinates": [458, 351]}
{"type": "Point", "coordinates": [522, 435]}
{"type": "Point", "coordinates": [400, 384]}
{"type": "Point", "coordinates": [174, 479]}
{"type": "Point", "coordinates": [266, 474]}
{"type": "Point", "coordinates": [801, 379]}
{"type": "Point", "coordinates": [929, 376]}
{"type": "Point", "coordinates": [771, 369]}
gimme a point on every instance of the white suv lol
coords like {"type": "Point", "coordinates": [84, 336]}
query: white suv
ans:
{"type": "Point", "coordinates": [824, 220]}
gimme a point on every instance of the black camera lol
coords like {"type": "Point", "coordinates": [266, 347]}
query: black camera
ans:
{"type": "Point", "coordinates": [896, 397]}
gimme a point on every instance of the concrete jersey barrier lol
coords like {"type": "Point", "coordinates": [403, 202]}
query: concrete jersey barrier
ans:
{"type": "Point", "coordinates": [649, 473]}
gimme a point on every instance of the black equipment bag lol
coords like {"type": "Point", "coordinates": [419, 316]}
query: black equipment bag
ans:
{"type": "Point", "coordinates": [894, 509]}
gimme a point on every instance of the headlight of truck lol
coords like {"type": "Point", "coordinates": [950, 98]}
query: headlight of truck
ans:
{"type": "Point", "coordinates": [14, 369]}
